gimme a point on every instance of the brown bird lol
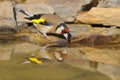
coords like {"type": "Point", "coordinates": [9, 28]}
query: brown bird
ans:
{"type": "Point", "coordinates": [49, 24]}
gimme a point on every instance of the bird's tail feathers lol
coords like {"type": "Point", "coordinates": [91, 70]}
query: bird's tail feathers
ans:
{"type": "Point", "coordinates": [24, 12]}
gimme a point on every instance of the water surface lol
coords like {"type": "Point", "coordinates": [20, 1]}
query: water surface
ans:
{"type": "Point", "coordinates": [13, 70]}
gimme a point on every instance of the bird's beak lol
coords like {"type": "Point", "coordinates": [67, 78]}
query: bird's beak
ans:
{"type": "Point", "coordinates": [67, 36]}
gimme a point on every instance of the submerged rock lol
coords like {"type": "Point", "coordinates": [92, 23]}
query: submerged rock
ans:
{"type": "Point", "coordinates": [25, 48]}
{"type": "Point", "coordinates": [112, 71]}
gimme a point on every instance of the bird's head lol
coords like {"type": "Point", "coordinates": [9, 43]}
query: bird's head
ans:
{"type": "Point", "coordinates": [63, 30]}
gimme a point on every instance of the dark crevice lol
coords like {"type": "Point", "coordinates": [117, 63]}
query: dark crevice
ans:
{"type": "Point", "coordinates": [87, 7]}
{"type": "Point", "coordinates": [100, 25]}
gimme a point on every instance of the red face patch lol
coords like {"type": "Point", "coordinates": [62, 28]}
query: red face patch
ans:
{"type": "Point", "coordinates": [66, 30]}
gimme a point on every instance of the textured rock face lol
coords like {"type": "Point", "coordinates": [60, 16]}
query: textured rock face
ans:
{"type": "Point", "coordinates": [105, 16]}
{"type": "Point", "coordinates": [6, 12]}
{"type": "Point", "coordinates": [109, 3]}
{"type": "Point", "coordinates": [67, 9]}
{"type": "Point", "coordinates": [87, 35]}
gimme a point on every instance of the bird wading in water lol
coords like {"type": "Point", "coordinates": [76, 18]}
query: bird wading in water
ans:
{"type": "Point", "coordinates": [48, 24]}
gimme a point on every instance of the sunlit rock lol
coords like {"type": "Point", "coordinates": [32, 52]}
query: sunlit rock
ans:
{"type": "Point", "coordinates": [105, 16]}
{"type": "Point", "coordinates": [6, 12]}
{"type": "Point", "coordinates": [67, 9]}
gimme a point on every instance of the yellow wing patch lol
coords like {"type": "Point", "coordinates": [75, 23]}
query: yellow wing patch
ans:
{"type": "Point", "coordinates": [38, 20]}
{"type": "Point", "coordinates": [35, 60]}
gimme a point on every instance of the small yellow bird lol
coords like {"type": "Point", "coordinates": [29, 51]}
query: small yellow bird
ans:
{"type": "Point", "coordinates": [49, 25]}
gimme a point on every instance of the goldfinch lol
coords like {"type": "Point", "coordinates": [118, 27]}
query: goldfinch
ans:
{"type": "Point", "coordinates": [48, 24]}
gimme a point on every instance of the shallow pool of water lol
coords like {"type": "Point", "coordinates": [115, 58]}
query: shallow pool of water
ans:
{"type": "Point", "coordinates": [13, 70]}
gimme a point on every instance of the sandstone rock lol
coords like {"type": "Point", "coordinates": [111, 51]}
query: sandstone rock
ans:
{"type": "Point", "coordinates": [105, 16]}
{"type": "Point", "coordinates": [81, 35]}
{"type": "Point", "coordinates": [108, 3]}
{"type": "Point", "coordinates": [87, 35]}
{"type": "Point", "coordinates": [6, 12]}
{"type": "Point", "coordinates": [17, 1]}
{"type": "Point", "coordinates": [66, 9]}
{"type": "Point", "coordinates": [104, 56]}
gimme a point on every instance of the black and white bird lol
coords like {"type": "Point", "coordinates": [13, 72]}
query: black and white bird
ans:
{"type": "Point", "coordinates": [49, 24]}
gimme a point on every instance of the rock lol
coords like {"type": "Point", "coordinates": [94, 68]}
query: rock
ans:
{"type": "Point", "coordinates": [6, 52]}
{"type": "Point", "coordinates": [105, 16]}
{"type": "Point", "coordinates": [67, 9]}
{"type": "Point", "coordinates": [25, 47]}
{"type": "Point", "coordinates": [6, 14]}
{"type": "Point", "coordinates": [17, 1]}
{"type": "Point", "coordinates": [90, 36]}
{"type": "Point", "coordinates": [81, 35]}
{"type": "Point", "coordinates": [109, 3]}
{"type": "Point", "coordinates": [102, 55]}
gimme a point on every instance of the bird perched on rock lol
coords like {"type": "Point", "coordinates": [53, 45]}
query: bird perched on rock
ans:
{"type": "Point", "coordinates": [49, 24]}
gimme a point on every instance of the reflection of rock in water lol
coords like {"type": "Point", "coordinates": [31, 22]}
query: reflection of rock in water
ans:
{"type": "Point", "coordinates": [112, 71]}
